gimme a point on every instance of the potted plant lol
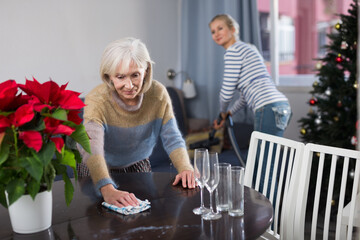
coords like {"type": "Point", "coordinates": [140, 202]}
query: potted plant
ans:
{"type": "Point", "coordinates": [39, 129]}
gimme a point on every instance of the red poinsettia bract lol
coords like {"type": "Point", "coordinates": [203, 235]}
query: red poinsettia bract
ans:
{"type": "Point", "coordinates": [50, 95]}
{"type": "Point", "coordinates": [8, 91]}
{"type": "Point", "coordinates": [32, 139]}
{"type": "Point", "coordinates": [35, 117]}
{"type": "Point", "coordinates": [55, 127]}
{"type": "Point", "coordinates": [21, 109]}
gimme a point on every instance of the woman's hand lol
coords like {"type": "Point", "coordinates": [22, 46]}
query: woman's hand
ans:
{"type": "Point", "coordinates": [217, 125]}
{"type": "Point", "coordinates": [187, 179]}
{"type": "Point", "coordinates": [117, 197]}
{"type": "Point", "coordinates": [223, 115]}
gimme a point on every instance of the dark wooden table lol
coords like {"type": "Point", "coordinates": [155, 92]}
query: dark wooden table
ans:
{"type": "Point", "coordinates": [170, 215]}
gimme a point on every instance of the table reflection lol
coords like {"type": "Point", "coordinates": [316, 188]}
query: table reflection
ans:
{"type": "Point", "coordinates": [170, 215]}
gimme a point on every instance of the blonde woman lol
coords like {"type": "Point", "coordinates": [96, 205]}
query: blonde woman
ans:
{"type": "Point", "coordinates": [245, 72]}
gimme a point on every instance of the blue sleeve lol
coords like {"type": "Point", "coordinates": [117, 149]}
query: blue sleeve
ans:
{"type": "Point", "coordinates": [171, 136]}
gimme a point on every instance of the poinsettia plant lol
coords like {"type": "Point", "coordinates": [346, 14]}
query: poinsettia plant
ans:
{"type": "Point", "coordinates": [39, 128]}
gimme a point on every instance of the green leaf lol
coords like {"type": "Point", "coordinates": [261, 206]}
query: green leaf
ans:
{"type": "Point", "coordinates": [60, 114]}
{"type": "Point", "coordinates": [77, 156]}
{"type": "Point", "coordinates": [69, 189]}
{"type": "Point", "coordinates": [49, 175]}
{"type": "Point", "coordinates": [2, 196]}
{"type": "Point", "coordinates": [5, 113]}
{"type": "Point", "coordinates": [33, 166]}
{"type": "Point", "coordinates": [59, 168]}
{"type": "Point", "coordinates": [4, 152]}
{"type": "Point", "coordinates": [15, 189]}
{"type": "Point", "coordinates": [33, 188]}
{"type": "Point", "coordinates": [69, 159]}
{"type": "Point", "coordinates": [78, 160]}
{"type": "Point", "coordinates": [39, 126]}
{"type": "Point", "coordinates": [46, 153]}
{"type": "Point", "coordinates": [6, 175]}
{"type": "Point", "coordinates": [80, 136]}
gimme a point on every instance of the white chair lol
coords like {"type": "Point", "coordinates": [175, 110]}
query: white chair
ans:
{"type": "Point", "coordinates": [328, 192]}
{"type": "Point", "coordinates": [346, 217]}
{"type": "Point", "coordinates": [285, 154]}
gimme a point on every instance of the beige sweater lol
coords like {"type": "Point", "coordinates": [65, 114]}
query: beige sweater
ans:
{"type": "Point", "coordinates": [120, 137]}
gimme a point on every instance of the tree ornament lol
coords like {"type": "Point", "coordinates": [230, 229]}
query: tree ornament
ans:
{"type": "Point", "coordinates": [339, 59]}
{"type": "Point", "coordinates": [318, 121]}
{"type": "Point", "coordinates": [337, 26]}
{"type": "Point", "coordinates": [336, 118]}
{"type": "Point", "coordinates": [354, 140]}
{"type": "Point", "coordinates": [353, 46]}
{"type": "Point", "coordinates": [344, 45]}
{"type": "Point", "coordinates": [328, 92]}
{"type": "Point", "coordinates": [339, 104]}
{"type": "Point", "coordinates": [315, 84]}
{"type": "Point", "coordinates": [318, 65]}
{"type": "Point", "coordinates": [352, 173]}
{"type": "Point", "coordinates": [303, 131]}
{"type": "Point", "coordinates": [355, 85]}
{"type": "Point", "coordinates": [346, 75]}
{"type": "Point", "coordinates": [313, 101]}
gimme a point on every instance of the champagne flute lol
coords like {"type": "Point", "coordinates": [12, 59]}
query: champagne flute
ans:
{"type": "Point", "coordinates": [201, 158]}
{"type": "Point", "coordinates": [212, 177]}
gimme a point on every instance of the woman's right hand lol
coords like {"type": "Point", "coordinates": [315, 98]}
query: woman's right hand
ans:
{"type": "Point", "coordinates": [217, 125]}
{"type": "Point", "coordinates": [117, 197]}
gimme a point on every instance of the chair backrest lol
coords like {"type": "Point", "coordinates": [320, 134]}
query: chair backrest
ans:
{"type": "Point", "coordinates": [279, 158]}
{"type": "Point", "coordinates": [325, 188]}
{"type": "Point", "coordinates": [177, 99]}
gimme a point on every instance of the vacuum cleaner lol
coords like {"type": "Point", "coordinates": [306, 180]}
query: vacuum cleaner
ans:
{"type": "Point", "coordinates": [212, 140]}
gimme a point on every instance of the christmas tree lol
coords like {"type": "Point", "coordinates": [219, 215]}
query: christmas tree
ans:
{"type": "Point", "coordinates": [333, 110]}
{"type": "Point", "coordinates": [332, 118]}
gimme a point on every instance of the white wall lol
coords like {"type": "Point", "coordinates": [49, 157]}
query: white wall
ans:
{"type": "Point", "coordinates": [64, 40]}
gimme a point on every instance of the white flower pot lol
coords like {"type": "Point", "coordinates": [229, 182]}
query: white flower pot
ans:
{"type": "Point", "coordinates": [30, 216]}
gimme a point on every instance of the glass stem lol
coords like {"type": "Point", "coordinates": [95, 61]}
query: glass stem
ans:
{"type": "Point", "coordinates": [211, 205]}
{"type": "Point", "coordinates": [201, 197]}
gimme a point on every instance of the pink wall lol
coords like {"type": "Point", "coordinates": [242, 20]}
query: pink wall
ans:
{"type": "Point", "coordinates": [306, 15]}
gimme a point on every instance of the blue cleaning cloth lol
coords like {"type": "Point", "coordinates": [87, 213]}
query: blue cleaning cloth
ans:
{"type": "Point", "coordinates": [143, 205]}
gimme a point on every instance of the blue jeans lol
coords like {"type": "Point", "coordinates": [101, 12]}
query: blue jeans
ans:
{"type": "Point", "coordinates": [271, 119]}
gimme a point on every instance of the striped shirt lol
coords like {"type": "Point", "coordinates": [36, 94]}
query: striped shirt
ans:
{"type": "Point", "coordinates": [245, 71]}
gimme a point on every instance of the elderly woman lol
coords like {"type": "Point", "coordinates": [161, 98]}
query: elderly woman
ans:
{"type": "Point", "coordinates": [124, 117]}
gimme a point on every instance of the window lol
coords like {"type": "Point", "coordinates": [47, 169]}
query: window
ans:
{"type": "Point", "coordinates": [302, 32]}
{"type": "Point", "coordinates": [286, 39]}
{"type": "Point", "coordinates": [265, 34]}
